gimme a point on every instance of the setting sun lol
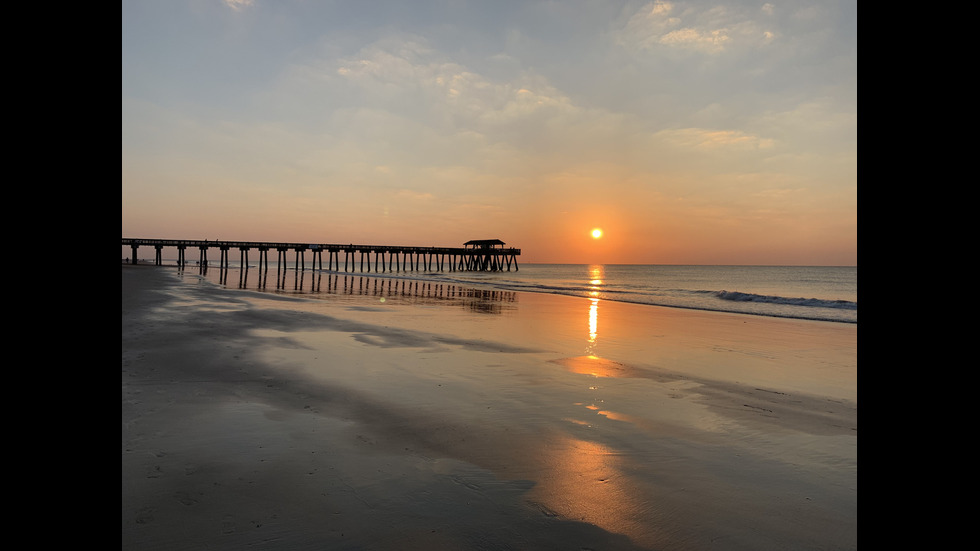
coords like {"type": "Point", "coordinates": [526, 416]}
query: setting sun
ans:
{"type": "Point", "coordinates": [596, 233]}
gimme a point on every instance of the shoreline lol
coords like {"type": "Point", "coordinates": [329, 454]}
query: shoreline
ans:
{"type": "Point", "coordinates": [282, 421]}
{"type": "Point", "coordinates": [313, 277]}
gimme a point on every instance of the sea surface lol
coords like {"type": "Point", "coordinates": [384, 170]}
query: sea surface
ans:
{"type": "Point", "coordinates": [822, 293]}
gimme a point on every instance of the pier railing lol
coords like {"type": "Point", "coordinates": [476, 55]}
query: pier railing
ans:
{"type": "Point", "coordinates": [387, 258]}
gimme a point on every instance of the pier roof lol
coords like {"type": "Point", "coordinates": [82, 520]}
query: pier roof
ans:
{"type": "Point", "coordinates": [484, 243]}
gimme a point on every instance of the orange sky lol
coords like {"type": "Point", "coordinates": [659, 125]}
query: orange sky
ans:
{"type": "Point", "coordinates": [689, 135]}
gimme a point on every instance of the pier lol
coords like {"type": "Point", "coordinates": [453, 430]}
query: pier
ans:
{"type": "Point", "coordinates": [478, 255]}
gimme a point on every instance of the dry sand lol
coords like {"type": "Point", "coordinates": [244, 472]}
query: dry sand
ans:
{"type": "Point", "coordinates": [263, 421]}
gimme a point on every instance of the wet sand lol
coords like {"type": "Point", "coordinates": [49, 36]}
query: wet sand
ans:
{"type": "Point", "coordinates": [477, 421]}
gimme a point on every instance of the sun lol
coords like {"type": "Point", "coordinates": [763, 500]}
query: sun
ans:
{"type": "Point", "coordinates": [596, 233]}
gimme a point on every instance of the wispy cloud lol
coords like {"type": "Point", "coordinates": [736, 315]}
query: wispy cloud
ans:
{"type": "Point", "coordinates": [704, 138]}
{"type": "Point", "coordinates": [239, 4]}
{"type": "Point", "coordinates": [711, 30]}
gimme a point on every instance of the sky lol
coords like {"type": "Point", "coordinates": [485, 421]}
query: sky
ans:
{"type": "Point", "coordinates": [690, 132]}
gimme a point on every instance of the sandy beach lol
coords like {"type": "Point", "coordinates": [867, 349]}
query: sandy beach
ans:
{"type": "Point", "coordinates": [525, 421]}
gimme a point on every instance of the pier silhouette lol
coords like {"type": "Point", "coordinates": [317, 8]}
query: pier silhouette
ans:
{"type": "Point", "coordinates": [478, 255]}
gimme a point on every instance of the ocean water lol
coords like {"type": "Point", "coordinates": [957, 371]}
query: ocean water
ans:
{"type": "Point", "coordinates": [823, 293]}
{"type": "Point", "coordinates": [812, 292]}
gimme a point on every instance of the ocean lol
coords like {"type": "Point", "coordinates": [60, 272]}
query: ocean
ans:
{"type": "Point", "coordinates": [821, 293]}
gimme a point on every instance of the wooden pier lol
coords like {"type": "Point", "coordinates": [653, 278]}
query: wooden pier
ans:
{"type": "Point", "coordinates": [479, 255]}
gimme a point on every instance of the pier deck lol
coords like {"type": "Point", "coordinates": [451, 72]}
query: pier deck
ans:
{"type": "Point", "coordinates": [482, 255]}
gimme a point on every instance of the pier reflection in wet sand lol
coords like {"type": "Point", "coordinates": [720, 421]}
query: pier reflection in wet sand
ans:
{"type": "Point", "coordinates": [411, 290]}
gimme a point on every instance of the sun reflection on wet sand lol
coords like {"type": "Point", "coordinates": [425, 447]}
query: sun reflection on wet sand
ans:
{"type": "Point", "coordinates": [584, 481]}
{"type": "Point", "coordinates": [596, 366]}
{"type": "Point", "coordinates": [593, 327]}
{"type": "Point", "coordinates": [596, 275]}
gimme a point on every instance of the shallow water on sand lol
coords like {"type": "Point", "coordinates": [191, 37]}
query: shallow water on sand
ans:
{"type": "Point", "coordinates": [529, 413]}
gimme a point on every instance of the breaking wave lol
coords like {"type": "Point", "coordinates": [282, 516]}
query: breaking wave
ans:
{"type": "Point", "coordinates": [736, 296]}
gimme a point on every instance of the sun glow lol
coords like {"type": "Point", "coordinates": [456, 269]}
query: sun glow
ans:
{"type": "Point", "coordinates": [596, 233]}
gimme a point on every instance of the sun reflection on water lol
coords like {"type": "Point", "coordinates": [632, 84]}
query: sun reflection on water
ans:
{"type": "Point", "coordinates": [596, 275]}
